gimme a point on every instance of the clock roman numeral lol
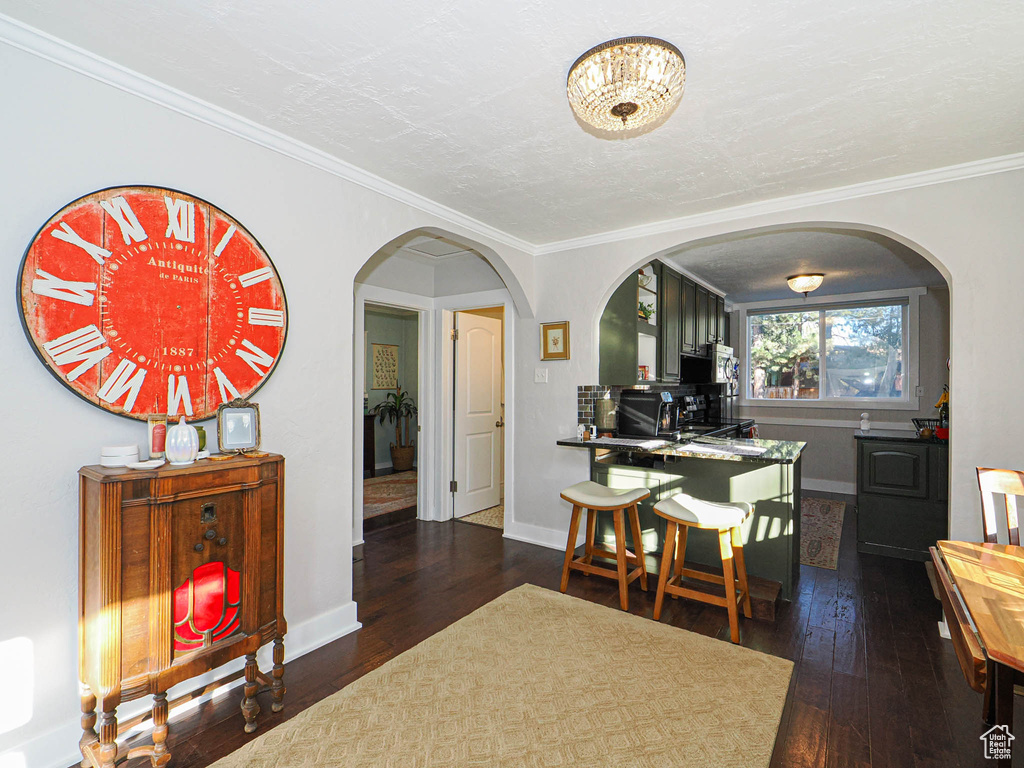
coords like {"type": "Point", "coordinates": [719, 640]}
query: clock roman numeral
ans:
{"type": "Point", "coordinates": [68, 235]}
{"type": "Point", "coordinates": [255, 357]}
{"type": "Point", "coordinates": [181, 219]}
{"type": "Point", "coordinates": [176, 395]}
{"type": "Point", "coordinates": [256, 276]}
{"type": "Point", "coordinates": [274, 317]}
{"type": "Point", "coordinates": [123, 382]}
{"type": "Point", "coordinates": [66, 290]}
{"type": "Point", "coordinates": [84, 346]}
{"type": "Point", "coordinates": [225, 386]}
{"type": "Point", "coordinates": [225, 240]}
{"type": "Point", "coordinates": [123, 214]}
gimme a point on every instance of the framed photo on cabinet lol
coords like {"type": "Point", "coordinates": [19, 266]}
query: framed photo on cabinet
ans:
{"type": "Point", "coordinates": [238, 427]}
{"type": "Point", "coordinates": [554, 341]}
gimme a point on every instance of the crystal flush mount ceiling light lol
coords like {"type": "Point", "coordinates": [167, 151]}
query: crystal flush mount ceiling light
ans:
{"type": "Point", "coordinates": [805, 283]}
{"type": "Point", "coordinates": [625, 84]}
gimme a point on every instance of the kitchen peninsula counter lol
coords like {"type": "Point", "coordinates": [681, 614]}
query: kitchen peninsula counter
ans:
{"type": "Point", "coordinates": [695, 446]}
{"type": "Point", "coordinates": [765, 473]}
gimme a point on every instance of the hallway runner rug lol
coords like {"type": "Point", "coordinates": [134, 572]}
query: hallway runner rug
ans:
{"type": "Point", "coordinates": [821, 527]}
{"type": "Point", "coordinates": [492, 517]}
{"type": "Point", "coordinates": [389, 493]}
{"type": "Point", "coordinates": [514, 684]}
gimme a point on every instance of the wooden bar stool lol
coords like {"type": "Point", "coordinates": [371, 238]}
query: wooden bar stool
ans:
{"type": "Point", "coordinates": [683, 512]}
{"type": "Point", "coordinates": [599, 498]}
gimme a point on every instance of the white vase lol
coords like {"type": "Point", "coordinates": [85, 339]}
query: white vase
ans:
{"type": "Point", "coordinates": [182, 444]}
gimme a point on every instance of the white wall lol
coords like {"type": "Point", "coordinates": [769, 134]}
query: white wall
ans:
{"type": "Point", "coordinates": [70, 134]}
{"type": "Point", "coordinates": [457, 276]}
{"type": "Point", "coordinates": [971, 228]}
{"type": "Point", "coordinates": [404, 275]}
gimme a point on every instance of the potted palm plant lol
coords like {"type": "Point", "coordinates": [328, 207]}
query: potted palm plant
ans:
{"type": "Point", "coordinates": [398, 409]}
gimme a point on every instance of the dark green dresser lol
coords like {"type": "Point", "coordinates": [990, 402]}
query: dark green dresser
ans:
{"type": "Point", "coordinates": [902, 502]}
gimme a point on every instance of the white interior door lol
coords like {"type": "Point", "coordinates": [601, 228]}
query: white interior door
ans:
{"type": "Point", "coordinates": [478, 427]}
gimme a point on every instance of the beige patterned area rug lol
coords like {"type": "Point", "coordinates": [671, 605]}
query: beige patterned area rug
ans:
{"type": "Point", "coordinates": [540, 679]}
{"type": "Point", "coordinates": [821, 528]}
{"type": "Point", "coordinates": [389, 493]}
{"type": "Point", "coordinates": [494, 517]}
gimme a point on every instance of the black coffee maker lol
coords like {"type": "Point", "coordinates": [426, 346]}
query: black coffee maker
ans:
{"type": "Point", "coordinates": [643, 413]}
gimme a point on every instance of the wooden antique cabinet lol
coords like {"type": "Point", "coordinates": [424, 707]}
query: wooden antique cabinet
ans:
{"type": "Point", "coordinates": [180, 571]}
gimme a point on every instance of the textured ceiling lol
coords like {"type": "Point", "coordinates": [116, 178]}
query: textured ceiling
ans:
{"type": "Point", "coordinates": [464, 102]}
{"type": "Point", "coordinates": [755, 268]}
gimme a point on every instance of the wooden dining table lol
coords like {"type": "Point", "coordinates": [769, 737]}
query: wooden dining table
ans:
{"type": "Point", "coordinates": [990, 580]}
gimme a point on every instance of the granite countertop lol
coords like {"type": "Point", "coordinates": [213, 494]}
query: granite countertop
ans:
{"type": "Point", "coordinates": [895, 435]}
{"type": "Point", "coordinates": [691, 445]}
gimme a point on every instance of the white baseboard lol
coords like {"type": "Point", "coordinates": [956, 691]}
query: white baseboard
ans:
{"type": "Point", "coordinates": [535, 534]}
{"type": "Point", "coordinates": [58, 748]}
{"type": "Point", "coordinates": [829, 486]}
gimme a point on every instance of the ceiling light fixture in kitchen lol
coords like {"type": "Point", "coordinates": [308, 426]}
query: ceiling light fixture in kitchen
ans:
{"type": "Point", "coordinates": [626, 83]}
{"type": "Point", "coordinates": [805, 283]}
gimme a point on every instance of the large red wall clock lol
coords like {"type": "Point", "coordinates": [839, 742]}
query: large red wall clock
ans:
{"type": "Point", "coordinates": [145, 300]}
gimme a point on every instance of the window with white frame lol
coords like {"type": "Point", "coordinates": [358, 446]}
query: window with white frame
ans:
{"type": "Point", "coordinates": [829, 353]}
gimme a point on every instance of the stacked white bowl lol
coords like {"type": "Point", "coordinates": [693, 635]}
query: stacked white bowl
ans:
{"type": "Point", "coordinates": [118, 455]}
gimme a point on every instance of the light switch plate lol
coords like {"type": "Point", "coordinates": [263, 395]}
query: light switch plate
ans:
{"type": "Point", "coordinates": [540, 375]}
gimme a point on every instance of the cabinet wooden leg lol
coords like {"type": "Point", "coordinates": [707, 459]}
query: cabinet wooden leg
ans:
{"type": "Point", "coordinates": [89, 738]}
{"type": "Point", "coordinates": [108, 739]}
{"type": "Point", "coordinates": [160, 754]}
{"type": "Point", "coordinates": [277, 687]}
{"type": "Point", "coordinates": [250, 708]}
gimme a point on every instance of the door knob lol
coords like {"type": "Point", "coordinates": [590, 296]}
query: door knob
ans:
{"type": "Point", "coordinates": [500, 423]}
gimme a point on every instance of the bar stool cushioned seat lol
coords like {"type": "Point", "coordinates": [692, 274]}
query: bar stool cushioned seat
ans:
{"type": "Point", "coordinates": [683, 512]}
{"type": "Point", "coordinates": [621, 502]}
{"type": "Point", "coordinates": [704, 514]}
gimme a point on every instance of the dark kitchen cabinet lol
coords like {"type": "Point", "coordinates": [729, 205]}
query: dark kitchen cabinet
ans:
{"type": "Point", "coordinates": [671, 323]}
{"type": "Point", "coordinates": [702, 321]}
{"type": "Point", "coordinates": [688, 317]}
{"type": "Point", "coordinates": [901, 496]}
{"type": "Point", "coordinates": [629, 341]}
{"type": "Point", "coordinates": [715, 322]}
{"type": "Point", "coordinates": [651, 320]}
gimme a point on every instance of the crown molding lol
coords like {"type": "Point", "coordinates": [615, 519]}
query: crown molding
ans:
{"type": "Point", "coordinates": [69, 56]}
{"type": "Point", "coordinates": [962, 171]}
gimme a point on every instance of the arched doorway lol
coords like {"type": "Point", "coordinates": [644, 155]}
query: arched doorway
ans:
{"type": "Point", "coordinates": [818, 397]}
{"type": "Point", "coordinates": [435, 276]}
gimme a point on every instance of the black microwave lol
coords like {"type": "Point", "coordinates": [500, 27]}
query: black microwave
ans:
{"type": "Point", "coordinates": [642, 413]}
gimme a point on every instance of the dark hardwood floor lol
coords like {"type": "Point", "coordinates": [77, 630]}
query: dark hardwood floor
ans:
{"type": "Point", "coordinates": [874, 684]}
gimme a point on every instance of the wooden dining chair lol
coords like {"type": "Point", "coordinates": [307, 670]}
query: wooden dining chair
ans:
{"type": "Point", "coordinates": [999, 491]}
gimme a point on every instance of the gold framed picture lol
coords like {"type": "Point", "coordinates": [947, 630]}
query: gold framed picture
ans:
{"type": "Point", "coordinates": [554, 341]}
{"type": "Point", "coordinates": [385, 366]}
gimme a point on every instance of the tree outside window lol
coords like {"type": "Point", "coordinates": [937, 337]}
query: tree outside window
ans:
{"type": "Point", "coordinates": [856, 351]}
